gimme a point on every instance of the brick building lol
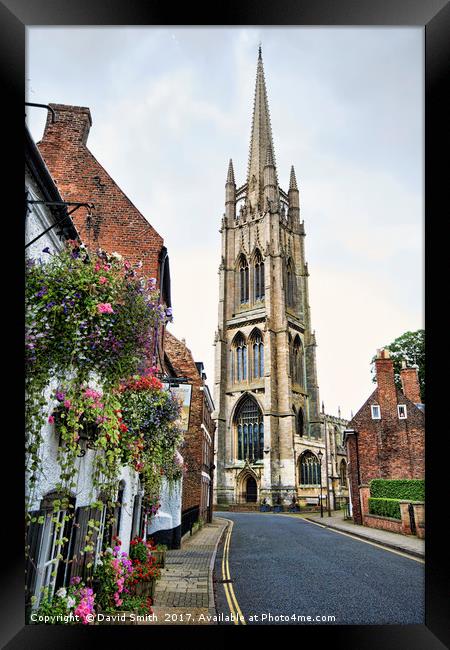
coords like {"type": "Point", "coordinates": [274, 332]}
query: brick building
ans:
{"type": "Point", "coordinates": [114, 224]}
{"type": "Point", "coordinates": [198, 447]}
{"type": "Point", "coordinates": [386, 438]}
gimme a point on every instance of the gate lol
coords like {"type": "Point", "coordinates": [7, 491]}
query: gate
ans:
{"type": "Point", "coordinates": [412, 521]}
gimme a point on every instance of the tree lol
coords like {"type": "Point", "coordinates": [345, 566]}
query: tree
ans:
{"type": "Point", "coordinates": [410, 347]}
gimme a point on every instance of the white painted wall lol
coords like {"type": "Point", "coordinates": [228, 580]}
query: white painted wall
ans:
{"type": "Point", "coordinates": [169, 514]}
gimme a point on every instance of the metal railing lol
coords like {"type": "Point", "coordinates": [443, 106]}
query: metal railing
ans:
{"type": "Point", "coordinates": [188, 519]}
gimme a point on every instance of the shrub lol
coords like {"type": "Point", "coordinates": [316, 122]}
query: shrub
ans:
{"type": "Point", "coordinates": [385, 507]}
{"type": "Point", "coordinates": [413, 489]}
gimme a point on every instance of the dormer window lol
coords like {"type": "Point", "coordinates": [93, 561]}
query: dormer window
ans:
{"type": "Point", "coordinates": [401, 408]}
{"type": "Point", "coordinates": [376, 412]}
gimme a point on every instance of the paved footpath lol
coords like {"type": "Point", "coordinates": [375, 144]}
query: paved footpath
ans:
{"type": "Point", "coordinates": [184, 594]}
{"type": "Point", "coordinates": [405, 543]}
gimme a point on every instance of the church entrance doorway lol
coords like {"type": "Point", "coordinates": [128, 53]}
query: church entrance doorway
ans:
{"type": "Point", "coordinates": [251, 490]}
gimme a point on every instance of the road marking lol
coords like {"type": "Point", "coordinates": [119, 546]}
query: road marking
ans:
{"type": "Point", "coordinates": [358, 539]}
{"type": "Point", "coordinates": [228, 587]}
{"type": "Point", "coordinates": [224, 577]}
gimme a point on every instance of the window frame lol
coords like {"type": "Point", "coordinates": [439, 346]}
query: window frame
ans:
{"type": "Point", "coordinates": [372, 411]}
{"type": "Point", "coordinates": [402, 417]}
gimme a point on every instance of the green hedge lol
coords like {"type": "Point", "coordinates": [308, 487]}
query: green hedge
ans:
{"type": "Point", "coordinates": [413, 489]}
{"type": "Point", "coordinates": [385, 507]}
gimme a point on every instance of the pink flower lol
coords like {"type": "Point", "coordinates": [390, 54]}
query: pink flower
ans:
{"type": "Point", "coordinates": [51, 419]}
{"type": "Point", "coordinates": [90, 392]}
{"type": "Point", "coordinates": [105, 308]}
{"type": "Point", "coordinates": [67, 403]}
{"type": "Point", "coordinates": [103, 280]}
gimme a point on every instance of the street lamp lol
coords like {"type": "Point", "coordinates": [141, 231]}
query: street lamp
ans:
{"type": "Point", "coordinates": [326, 459]}
{"type": "Point", "coordinates": [320, 456]}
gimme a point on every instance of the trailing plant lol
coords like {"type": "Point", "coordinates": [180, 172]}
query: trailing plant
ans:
{"type": "Point", "coordinates": [150, 414]}
{"type": "Point", "coordinates": [87, 318]}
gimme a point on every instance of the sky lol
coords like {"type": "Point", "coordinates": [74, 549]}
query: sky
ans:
{"type": "Point", "coordinates": [170, 106]}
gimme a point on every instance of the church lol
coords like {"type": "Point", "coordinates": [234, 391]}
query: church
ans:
{"type": "Point", "coordinates": [274, 441]}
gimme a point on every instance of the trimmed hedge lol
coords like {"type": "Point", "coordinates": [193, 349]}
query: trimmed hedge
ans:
{"type": "Point", "coordinates": [385, 507]}
{"type": "Point", "coordinates": [412, 489]}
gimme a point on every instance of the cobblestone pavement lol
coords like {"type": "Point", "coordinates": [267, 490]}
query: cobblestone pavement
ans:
{"type": "Point", "coordinates": [184, 594]}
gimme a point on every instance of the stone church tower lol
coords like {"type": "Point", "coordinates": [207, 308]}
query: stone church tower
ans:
{"type": "Point", "coordinates": [266, 392]}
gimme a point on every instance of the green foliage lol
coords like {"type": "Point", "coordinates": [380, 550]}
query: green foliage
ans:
{"type": "Point", "coordinates": [87, 319]}
{"type": "Point", "coordinates": [413, 489]}
{"type": "Point", "coordinates": [385, 507]}
{"type": "Point", "coordinates": [141, 605]}
{"type": "Point", "coordinates": [410, 346]}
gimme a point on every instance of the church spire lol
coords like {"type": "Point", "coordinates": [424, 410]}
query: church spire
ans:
{"type": "Point", "coordinates": [261, 139]}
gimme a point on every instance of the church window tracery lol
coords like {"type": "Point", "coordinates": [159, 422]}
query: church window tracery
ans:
{"type": "Point", "coordinates": [259, 277]}
{"type": "Point", "coordinates": [250, 430]}
{"type": "Point", "coordinates": [257, 347]}
{"type": "Point", "coordinates": [309, 469]}
{"type": "Point", "coordinates": [243, 279]}
{"type": "Point", "coordinates": [290, 284]}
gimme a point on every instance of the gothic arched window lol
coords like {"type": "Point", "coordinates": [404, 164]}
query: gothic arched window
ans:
{"type": "Point", "coordinates": [309, 469]}
{"type": "Point", "coordinates": [250, 430]}
{"type": "Point", "coordinates": [297, 368]}
{"type": "Point", "coordinates": [343, 473]}
{"type": "Point", "coordinates": [257, 347]}
{"type": "Point", "coordinates": [238, 358]}
{"type": "Point", "coordinates": [259, 277]}
{"type": "Point", "coordinates": [243, 279]}
{"type": "Point", "coordinates": [290, 284]}
{"type": "Point", "coordinates": [300, 422]}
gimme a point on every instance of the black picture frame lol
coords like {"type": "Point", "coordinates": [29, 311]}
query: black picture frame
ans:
{"type": "Point", "coordinates": [434, 16]}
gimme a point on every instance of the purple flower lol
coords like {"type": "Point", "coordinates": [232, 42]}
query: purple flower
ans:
{"type": "Point", "coordinates": [42, 292]}
{"type": "Point", "coordinates": [46, 250]}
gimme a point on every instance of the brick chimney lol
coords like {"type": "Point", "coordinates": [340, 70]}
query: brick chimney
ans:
{"type": "Point", "coordinates": [410, 383]}
{"type": "Point", "coordinates": [387, 392]}
{"type": "Point", "coordinates": [72, 124]}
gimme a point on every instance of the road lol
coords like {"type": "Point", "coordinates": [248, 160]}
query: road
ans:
{"type": "Point", "coordinates": [284, 566]}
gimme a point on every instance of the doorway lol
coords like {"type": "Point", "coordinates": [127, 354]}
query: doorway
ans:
{"type": "Point", "coordinates": [251, 490]}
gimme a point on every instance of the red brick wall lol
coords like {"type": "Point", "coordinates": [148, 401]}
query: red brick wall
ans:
{"type": "Point", "coordinates": [382, 523]}
{"type": "Point", "coordinates": [116, 224]}
{"type": "Point", "coordinates": [352, 473]}
{"type": "Point", "coordinates": [410, 384]}
{"type": "Point", "coordinates": [197, 448]}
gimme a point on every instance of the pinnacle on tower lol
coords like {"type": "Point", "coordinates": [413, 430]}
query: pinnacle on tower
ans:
{"type": "Point", "coordinates": [230, 175]}
{"type": "Point", "coordinates": [293, 180]}
{"type": "Point", "coordinates": [261, 138]}
{"type": "Point", "coordinates": [230, 195]}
